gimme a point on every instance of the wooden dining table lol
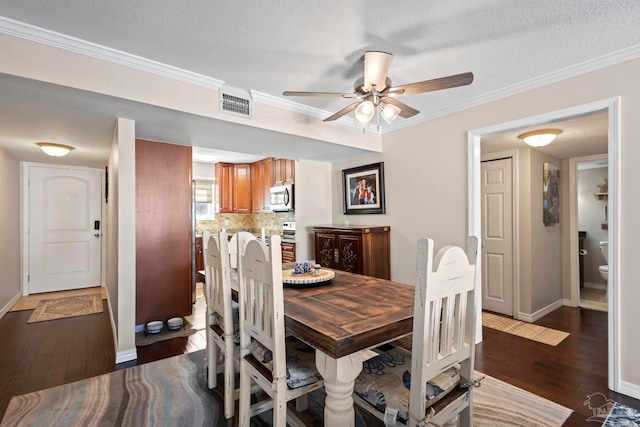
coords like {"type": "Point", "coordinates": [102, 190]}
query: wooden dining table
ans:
{"type": "Point", "coordinates": [341, 320]}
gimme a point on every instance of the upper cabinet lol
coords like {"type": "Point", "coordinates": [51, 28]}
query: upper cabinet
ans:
{"type": "Point", "coordinates": [244, 187]}
{"type": "Point", "coordinates": [234, 187]}
{"type": "Point", "coordinates": [261, 180]}
{"type": "Point", "coordinates": [284, 171]}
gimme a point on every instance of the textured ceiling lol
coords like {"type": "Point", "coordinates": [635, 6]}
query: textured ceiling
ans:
{"type": "Point", "coordinates": [280, 45]}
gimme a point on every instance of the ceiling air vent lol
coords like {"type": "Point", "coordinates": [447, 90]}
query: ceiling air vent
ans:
{"type": "Point", "coordinates": [235, 101]}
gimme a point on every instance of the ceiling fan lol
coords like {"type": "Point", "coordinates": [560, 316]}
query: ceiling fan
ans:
{"type": "Point", "coordinates": [374, 91]}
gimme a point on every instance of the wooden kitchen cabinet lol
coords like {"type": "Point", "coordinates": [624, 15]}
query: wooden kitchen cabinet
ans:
{"type": "Point", "coordinates": [284, 171]}
{"type": "Point", "coordinates": [260, 185]}
{"type": "Point", "coordinates": [234, 187]}
{"type": "Point", "coordinates": [288, 252]}
{"type": "Point", "coordinates": [362, 250]}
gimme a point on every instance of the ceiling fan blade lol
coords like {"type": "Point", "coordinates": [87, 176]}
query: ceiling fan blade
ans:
{"type": "Point", "coordinates": [327, 94]}
{"type": "Point", "coordinates": [405, 110]}
{"type": "Point", "coordinates": [376, 67]}
{"type": "Point", "coordinates": [431, 85]}
{"type": "Point", "coordinates": [344, 111]}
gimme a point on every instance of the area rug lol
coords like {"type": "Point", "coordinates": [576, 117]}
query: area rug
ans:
{"type": "Point", "coordinates": [61, 308]}
{"type": "Point", "coordinates": [173, 392]}
{"type": "Point", "coordinates": [30, 302]}
{"type": "Point", "coordinates": [522, 329]}
{"type": "Point", "coordinates": [622, 415]}
{"type": "Point", "coordinates": [143, 339]}
{"type": "Point", "coordinates": [499, 404]}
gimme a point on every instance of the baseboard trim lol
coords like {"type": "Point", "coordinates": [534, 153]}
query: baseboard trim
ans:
{"type": "Point", "coordinates": [126, 355]}
{"type": "Point", "coordinates": [10, 304]}
{"type": "Point", "coordinates": [570, 303]}
{"type": "Point", "coordinates": [532, 317]}
{"type": "Point", "coordinates": [629, 389]}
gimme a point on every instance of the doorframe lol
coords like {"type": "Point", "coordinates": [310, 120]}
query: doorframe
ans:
{"type": "Point", "coordinates": [515, 224]}
{"type": "Point", "coordinates": [573, 225]}
{"type": "Point", "coordinates": [613, 107]}
{"type": "Point", "coordinates": [24, 218]}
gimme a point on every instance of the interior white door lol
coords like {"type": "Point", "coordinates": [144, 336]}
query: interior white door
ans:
{"type": "Point", "coordinates": [64, 228]}
{"type": "Point", "coordinates": [497, 236]}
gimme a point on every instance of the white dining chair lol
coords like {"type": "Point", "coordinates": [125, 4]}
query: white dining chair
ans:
{"type": "Point", "coordinates": [284, 368]}
{"type": "Point", "coordinates": [432, 384]}
{"type": "Point", "coordinates": [220, 318]}
{"type": "Point", "coordinates": [238, 239]}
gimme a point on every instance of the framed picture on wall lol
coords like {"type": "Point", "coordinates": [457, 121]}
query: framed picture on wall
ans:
{"type": "Point", "coordinates": [363, 189]}
{"type": "Point", "coordinates": [551, 194]}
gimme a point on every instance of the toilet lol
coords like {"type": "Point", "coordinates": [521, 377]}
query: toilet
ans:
{"type": "Point", "coordinates": [604, 269]}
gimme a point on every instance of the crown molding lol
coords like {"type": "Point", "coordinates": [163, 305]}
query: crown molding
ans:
{"type": "Point", "coordinates": [72, 44]}
{"type": "Point", "coordinates": [52, 38]}
{"type": "Point", "coordinates": [544, 80]}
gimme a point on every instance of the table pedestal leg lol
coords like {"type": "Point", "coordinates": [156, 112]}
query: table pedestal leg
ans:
{"type": "Point", "coordinates": [339, 375]}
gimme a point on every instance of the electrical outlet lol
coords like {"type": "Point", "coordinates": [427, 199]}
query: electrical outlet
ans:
{"type": "Point", "coordinates": [226, 222]}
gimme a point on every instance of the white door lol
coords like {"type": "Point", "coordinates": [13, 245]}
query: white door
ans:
{"type": "Point", "coordinates": [497, 242]}
{"type": "Point", "coordinates": [65, 226]}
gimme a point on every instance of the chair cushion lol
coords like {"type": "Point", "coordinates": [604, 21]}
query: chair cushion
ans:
{"type": "Point", "coordinates": [301, 361]}
{"type": "Point", "coordinates": [385, 380]}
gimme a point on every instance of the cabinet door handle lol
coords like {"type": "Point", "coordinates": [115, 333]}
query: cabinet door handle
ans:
{"type": "Point", "coordinates": [336, 255]}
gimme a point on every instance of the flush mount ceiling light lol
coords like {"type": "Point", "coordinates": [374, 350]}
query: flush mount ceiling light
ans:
{"type": "Point", "coordinates": [55, 150]}
{"type": "Point", "coordinates": [541, 137]}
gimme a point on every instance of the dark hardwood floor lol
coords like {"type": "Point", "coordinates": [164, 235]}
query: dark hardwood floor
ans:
{"type": "Point", "coordinates": [46, 354]}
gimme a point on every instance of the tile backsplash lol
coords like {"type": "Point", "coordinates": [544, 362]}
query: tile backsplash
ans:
{"type": "Point", "coordinates": [252, 222]}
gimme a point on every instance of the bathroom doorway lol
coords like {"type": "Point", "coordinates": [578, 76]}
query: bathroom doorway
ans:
{"type": "Point", "coordinates": [593, 230]}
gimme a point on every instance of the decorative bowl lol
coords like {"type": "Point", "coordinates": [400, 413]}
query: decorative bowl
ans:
{"type": "Point", "coordinates": [155, 326]}
{"type": "Point", "coordinates": [174, 323]}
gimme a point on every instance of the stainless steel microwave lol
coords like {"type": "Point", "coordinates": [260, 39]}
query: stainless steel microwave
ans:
{"type": "Point", "coordinates": [282, 198]}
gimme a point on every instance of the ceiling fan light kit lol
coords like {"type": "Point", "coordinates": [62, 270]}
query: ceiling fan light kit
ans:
{"type": "Point", "coordinates": [364, 112]}
{"type": "Point", "coordinates": [540, 137]}
{"type": "Point", "coordinates": [375, 94]}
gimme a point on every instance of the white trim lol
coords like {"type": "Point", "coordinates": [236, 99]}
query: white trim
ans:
{"type": "Point", "coordinates": [612, 105]}
{"type": "Point", "coordinates": [623, 55]}
{"type": "Point", "coordinates": [126, 355]}
{"type": "Point", "coordinates": [574, 262]}
{"type": "Point", "coordinates": [526, 317]}
{"type": "Point", "coordinates": [72, 44]}
{"type": "Point", "coordinates": [629, 389]}
{"type": "Point", "coordinates": [62, 41]}
{"type": "Point", "coordinates": [4, 310]}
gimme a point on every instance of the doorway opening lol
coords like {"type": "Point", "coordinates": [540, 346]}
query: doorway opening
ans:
{"type": "Point", "coordinates": [570, 237]}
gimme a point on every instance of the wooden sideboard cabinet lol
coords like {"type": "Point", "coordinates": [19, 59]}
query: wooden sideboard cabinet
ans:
{"type": "Point", "coordinates": [362, 250]}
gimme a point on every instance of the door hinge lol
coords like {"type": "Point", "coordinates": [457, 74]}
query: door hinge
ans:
{"type": "Point", "coordinates": [28, 278]}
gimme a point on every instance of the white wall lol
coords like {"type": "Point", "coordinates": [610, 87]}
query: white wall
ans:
{"type": "Point", "coordinates": [313, 204]}
{"type": "Point", "coordinates": [590, 219]}
{"type": "Point", "coordinates": [121, 213]}
{"type": "Point", "coordinates": [9, 232]}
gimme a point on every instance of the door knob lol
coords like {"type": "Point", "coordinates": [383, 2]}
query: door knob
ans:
{"type": "Point", "coordinates": [97, 234]}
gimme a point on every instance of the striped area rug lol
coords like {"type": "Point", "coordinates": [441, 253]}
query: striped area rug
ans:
{"type": "Point", "coordinates": [523, 329]}
{"type": "Point", "coordinates": [173, 392]}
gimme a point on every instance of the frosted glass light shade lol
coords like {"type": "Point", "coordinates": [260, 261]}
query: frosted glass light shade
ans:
{"type": "Point", "coordinates": [389, 112]}
{"type": "Point", "coordinates": [540, 138]}
{"type": "Point", "coordinates": [364, 112]}
{"type": "Point", "coordinates": [55, 150]}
